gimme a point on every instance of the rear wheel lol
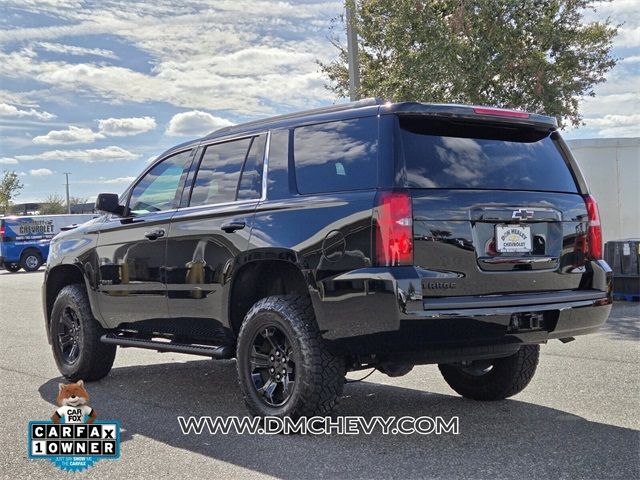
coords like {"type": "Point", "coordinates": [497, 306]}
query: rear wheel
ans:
{"type": "Point", "coordinates": [12, 267]}
{"type": "Point", "coordinates": [283, 367]}
{"type": "Point", "coordinates": [75, 337]}
{"type": "Point", "coordinates": [494, 379]}
{"type": "Point", "coordinates": [31, 261]}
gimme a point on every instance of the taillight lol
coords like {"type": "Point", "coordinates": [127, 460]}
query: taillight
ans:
{"type": "Point", "coordinates": [394, 229]}
{"type": "Point", "coordinates": [500, 112]}
{"type": "Point", "coordinates": [2, 232]}
{"type": "Point", "coordinates": [594, 230]}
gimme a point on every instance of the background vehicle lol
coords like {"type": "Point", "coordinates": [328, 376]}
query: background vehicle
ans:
{"type": "Point", "coordinates": [357, 236]}
{"type": "Point", "coordinates": [24, 241]}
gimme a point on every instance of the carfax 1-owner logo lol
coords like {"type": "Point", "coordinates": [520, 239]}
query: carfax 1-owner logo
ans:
{"type": "Point", "coordinates": [74, 439]}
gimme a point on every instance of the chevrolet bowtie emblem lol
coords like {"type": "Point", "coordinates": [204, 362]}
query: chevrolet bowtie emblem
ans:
{"type": "Point", "coordinates": [522, 214]}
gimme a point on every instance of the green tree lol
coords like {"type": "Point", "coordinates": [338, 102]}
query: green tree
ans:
{"type": "Point", "coordinates": [53, 204]}
{"type": "Point", "coordinates": [10, 187]}
{"type": "Point", "coordinates": [56, 204]}
{"type": "Point", "coordinates": [536, 55]}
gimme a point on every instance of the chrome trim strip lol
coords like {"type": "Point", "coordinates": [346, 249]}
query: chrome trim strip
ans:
{"type": "Point", "coordinates": [239, 136]}
{"type": "Point", "coordinates": [530, 301]}
{"type": "Point", "coordinates": [516, 260]}
{"type": "Point", "coordinates": [265, 167]}
{"type": "Point", "coordinates": [215, 205]}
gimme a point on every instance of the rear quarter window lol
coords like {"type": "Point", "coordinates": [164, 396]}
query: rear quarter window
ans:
{"type": "Point", "coordinates": [443, 154]}
{"type": "Point", "coordinates": [336, 156]}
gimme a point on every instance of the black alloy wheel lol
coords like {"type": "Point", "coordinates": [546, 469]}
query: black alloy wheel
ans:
{"type": "Point", "coordinates": [272, 364]}
{"type": "Point", "coordinates": [68, 336]}
{"type": "Point", "coordinates": [284, 366]}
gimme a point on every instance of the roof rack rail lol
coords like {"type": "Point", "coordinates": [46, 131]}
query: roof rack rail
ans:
{"type": "Point", "coordinates": [368, 102]}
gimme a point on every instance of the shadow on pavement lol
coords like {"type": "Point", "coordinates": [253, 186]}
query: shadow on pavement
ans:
{"type": "Point", "coordinates": [498, 440]}
{"type": "Point", "coordinates": [624, 321]}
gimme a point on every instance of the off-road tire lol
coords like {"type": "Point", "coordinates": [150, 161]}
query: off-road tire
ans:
{"type": "Point", "coordinates": [319, 374]}
{"type": "Point", "coordinates": [507, 377]}
{"type": "Point", "coordinates": [31, 261]}
{"type": "Point", "coordinates": [95, 358]}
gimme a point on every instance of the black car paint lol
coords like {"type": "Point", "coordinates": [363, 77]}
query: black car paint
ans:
{"type": "Point", "coordinates": [360, 309]}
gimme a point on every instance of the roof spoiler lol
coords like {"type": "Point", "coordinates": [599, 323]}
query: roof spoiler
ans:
{"type": "Point", "coordinates": [466, 112]}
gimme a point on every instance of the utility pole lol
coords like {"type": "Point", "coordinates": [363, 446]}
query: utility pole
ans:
{"type": "Point", "coordinates": [66, 174]}
{"type": "Point", "coordinates": [352, 51]}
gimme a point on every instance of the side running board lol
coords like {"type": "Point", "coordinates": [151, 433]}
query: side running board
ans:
{"type": "Point", "coordinates": [218, 352]}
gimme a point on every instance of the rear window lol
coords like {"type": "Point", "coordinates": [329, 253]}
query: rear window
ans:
{"type": "Point", "coordinates": [336, 156]}
{"type": "Point", "coordinates": [441, 154]}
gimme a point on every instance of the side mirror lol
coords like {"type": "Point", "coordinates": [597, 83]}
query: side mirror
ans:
{"type": "Point", "coordinates": [109, 202]}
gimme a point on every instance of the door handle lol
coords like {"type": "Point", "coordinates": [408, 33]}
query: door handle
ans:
{"type": "Point", "coordinates": [155, 234]}
{"type": "Point", "coordinates": [231, 227]}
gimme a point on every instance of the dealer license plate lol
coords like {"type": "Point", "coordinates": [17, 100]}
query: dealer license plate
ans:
{"type": "Point", "coordinates": [513, 238]}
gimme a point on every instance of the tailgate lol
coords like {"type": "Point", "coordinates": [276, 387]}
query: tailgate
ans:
{"type": "Point", "coordinates": [456, 236]}
{"type": "Point", "coordinates": [496, 207]}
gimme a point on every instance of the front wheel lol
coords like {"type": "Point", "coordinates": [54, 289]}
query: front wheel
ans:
{"type": "Point", "coordinates": [75, 337]}
{"type": "Point", "coordinates": [31, 261]}
{"type": "Point", "coordinates": [494, 379]}
{"type": "Point", "coordinates": [283, 367]}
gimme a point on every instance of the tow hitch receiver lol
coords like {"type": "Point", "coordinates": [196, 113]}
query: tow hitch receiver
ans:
{"type": "Point", "coordinates": [526, 321]}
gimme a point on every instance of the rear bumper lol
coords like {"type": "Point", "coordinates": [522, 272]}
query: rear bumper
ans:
{"type": "Point", "coordinates": [382, 311]}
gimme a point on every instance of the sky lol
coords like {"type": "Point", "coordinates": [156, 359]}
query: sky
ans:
{"type": "Point", "coordinates": [100, 88]}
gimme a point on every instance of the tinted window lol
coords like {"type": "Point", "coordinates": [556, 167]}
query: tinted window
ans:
{"type": "Point", "coordinates": [219, 172]}
{"type": "Point", "coordinates": [278, 182]}
{"type": "Point", "coordinates": [159, 187]}
{"type": "Point", "coordinates": [441, 154]}
{"type": "Point", "coordinates": [337, 156]}
{"type": "Point", "coordinates": [250, 186]}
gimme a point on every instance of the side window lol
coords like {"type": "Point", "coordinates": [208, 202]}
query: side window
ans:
{"type": "Point", "coordinates": [158, 189]}
{"type": "Point", "coordinates": [336, 156]}
{"type": "Point", "coordinates": [219, 172]}
{"type": "Point", "coordinates": [250, 186]}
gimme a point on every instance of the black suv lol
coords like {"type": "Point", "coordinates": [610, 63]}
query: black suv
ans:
{"type": "Point", "coordinates": [361, 235]}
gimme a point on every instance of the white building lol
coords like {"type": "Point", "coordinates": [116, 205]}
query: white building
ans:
{"type": "Point", "coordinates": [611, 167]}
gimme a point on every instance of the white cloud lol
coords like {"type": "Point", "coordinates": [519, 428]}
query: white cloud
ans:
{"type": "Point", "coordinates": [212, 56]}
{"type": "Point", "coordinates": [45, 5]}
{"type": "Point", "coordinates": [107, 181]}
{"type": "Point", "coordinates": [7, 110]}
{"type": "Point", "coordinates": [69, 136]}
{"type": "Point", "coordinates": [92, 155]}
{"type": "Point", "coordinates": [194, 82]}
{"type": "Point", "coordinates": [40, 172]}
{"type": "Point", "coordinates": [204, 55]}
{"type": "Point", "coordinates": [616, 120]}
{"type": "Point", "coordinates": [121, 127]}
{"type": "Point", "coordinates": [112, 127]}
{"type": "Point", "coordinates": [17, 98]}
{"type": "Point", "coordinates": [195, 123]}
{"type": "Point", "coordinates": [631, 59]}
{"type": "Point", "coordinates": [628, 37]}
{"type": "Point", "coordinates": [616, 125]}
{"type": "Point", "coordinates": [74, 50]}
{"type": "Point", "coordinates": [8, 161]}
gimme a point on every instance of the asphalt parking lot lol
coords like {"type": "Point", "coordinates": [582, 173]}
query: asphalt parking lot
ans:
{"type": "Point", "coordinates": [577, 419]}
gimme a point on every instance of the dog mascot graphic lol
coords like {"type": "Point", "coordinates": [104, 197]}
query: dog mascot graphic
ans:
{"type": "Point", "coordinates": [73, 400]}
